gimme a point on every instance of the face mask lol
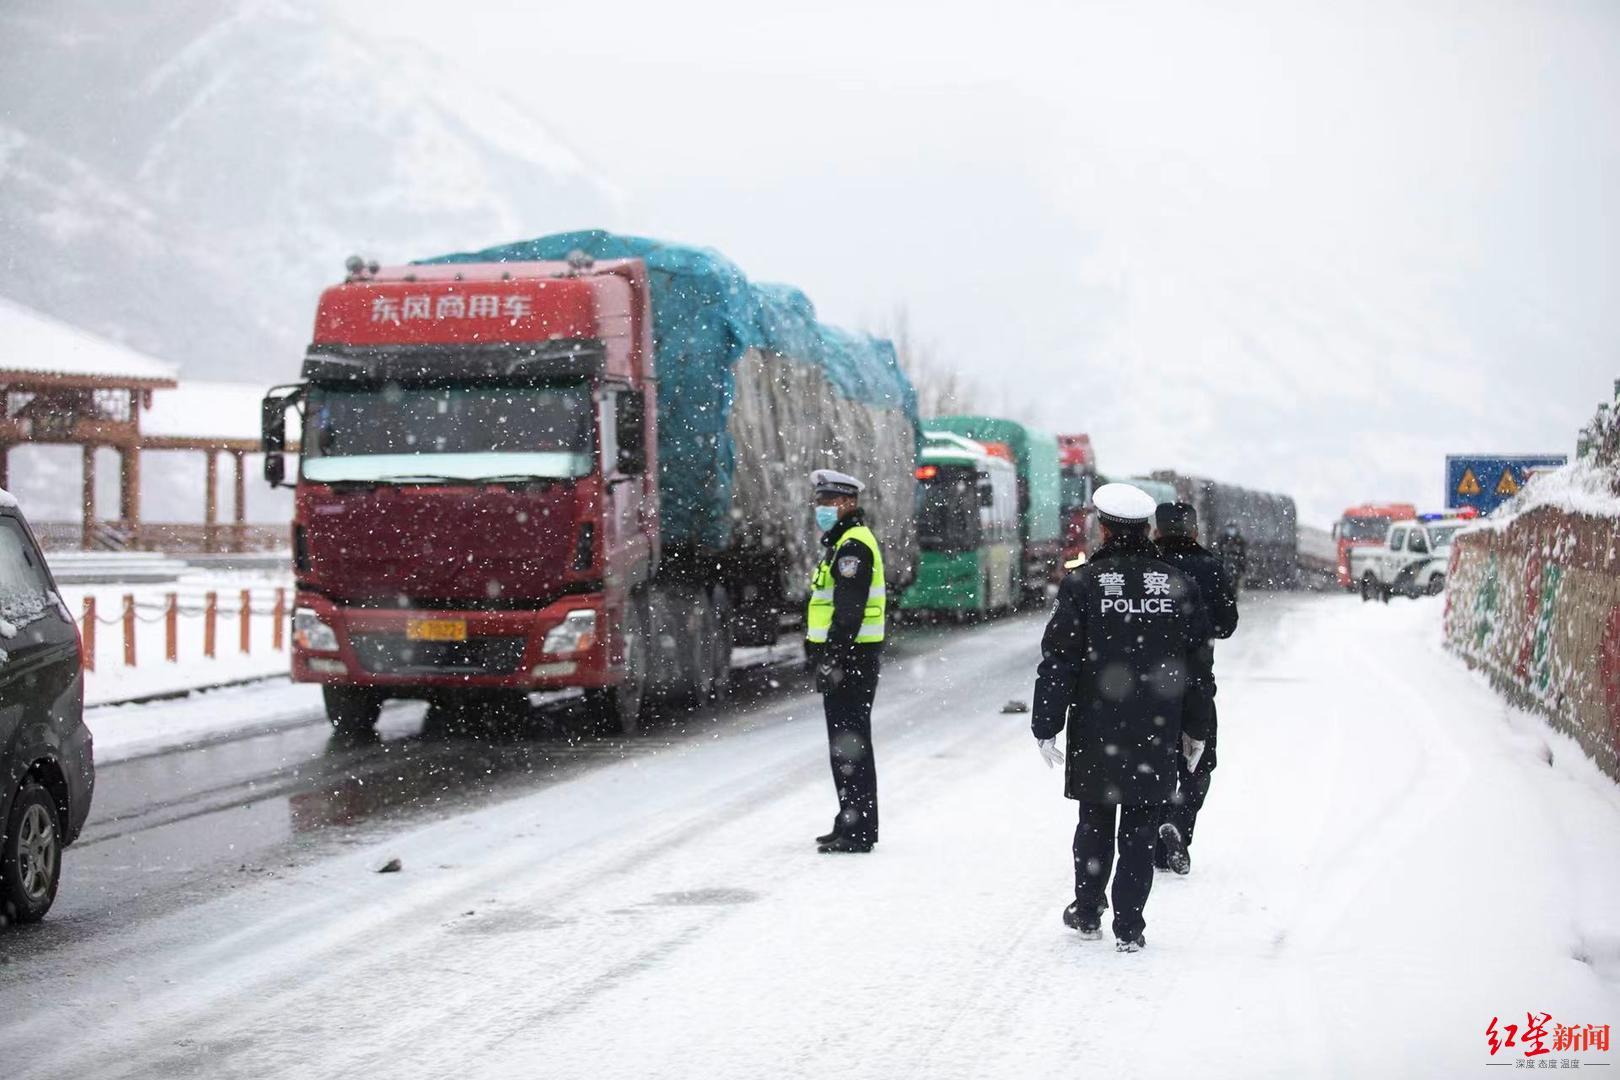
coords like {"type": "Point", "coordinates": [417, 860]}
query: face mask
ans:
{"type": "Point", "coordinates": [826, 517]}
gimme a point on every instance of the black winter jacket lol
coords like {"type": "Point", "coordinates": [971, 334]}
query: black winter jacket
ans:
{"type": "Point", "coordinates": [1125, 666]}
{"type": "Point", "coordinates": [1207, 571]}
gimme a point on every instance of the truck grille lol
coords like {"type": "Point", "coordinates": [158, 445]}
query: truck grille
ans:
{"type": "Point", "coordinates": [394, 654]}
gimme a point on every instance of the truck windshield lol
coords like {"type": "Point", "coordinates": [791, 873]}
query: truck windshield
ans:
{"type": "Point", "coordinates": [949, 517]}
{"type": "Point", "coordinates": [1363, 529]}
{"type": "Point", "coordinates": [1076, 489]}
{"type": "Point", "coordinates": [467, 433]}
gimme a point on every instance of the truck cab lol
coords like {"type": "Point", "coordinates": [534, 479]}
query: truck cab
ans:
{"type": "Point", "coordinates": [1411, 561]}
{"type": "Point", "coordinates": [1364, 526]}
{"type": "Point", "coordinates": [476, 503]}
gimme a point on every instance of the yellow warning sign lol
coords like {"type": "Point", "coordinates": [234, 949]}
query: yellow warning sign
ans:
{"type": "Point", "coordinates": [1468, 485]}
{"type": "Point", "coordinates": [1507, 485]}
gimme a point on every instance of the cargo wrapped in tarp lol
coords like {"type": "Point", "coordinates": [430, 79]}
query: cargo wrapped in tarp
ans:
{"type": "Point", "coordinates": [753, 393]}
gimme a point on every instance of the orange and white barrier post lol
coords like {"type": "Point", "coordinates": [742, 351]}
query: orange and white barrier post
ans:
{"type": "Point", "coordinates": [210, 618]}
{"type": "Point", "coordinates": [129, 629]}
{"type": "Point", "coordinates": [171, 630]}
{"type": "Point", "coordinates": [278, 630]}
{"type": "Point", "coordinates": [87, 633]}
{"type": "Point", "coordinates": [246, 615]}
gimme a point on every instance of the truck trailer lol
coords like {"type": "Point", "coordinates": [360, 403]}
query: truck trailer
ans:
{"type": "Point", "coordinates": [1267, 522]}
{"type": "Point", "coordinates": [580, 461]}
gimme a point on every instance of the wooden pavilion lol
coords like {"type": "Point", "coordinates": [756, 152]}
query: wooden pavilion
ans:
{"type": "Point", "coordinates": [62, 386]}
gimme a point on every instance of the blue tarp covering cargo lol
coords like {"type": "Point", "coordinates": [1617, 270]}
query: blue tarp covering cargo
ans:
{"type": "Point", "coordinates": [738, 429]}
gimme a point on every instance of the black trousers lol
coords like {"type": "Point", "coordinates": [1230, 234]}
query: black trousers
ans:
{"type": "Point", "coordinates": [1138, 828]}
{"type": "Point", "coordinates": [1191, 791]}
{"type": "Point", "coordinates": [849, 742]}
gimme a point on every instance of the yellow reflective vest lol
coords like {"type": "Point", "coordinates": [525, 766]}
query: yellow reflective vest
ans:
{"type": "Point", "coordinates": [818, 619]}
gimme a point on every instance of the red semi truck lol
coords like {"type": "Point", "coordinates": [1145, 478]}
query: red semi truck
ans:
{"type": "Point", "coordinates": [1364, 526]}
{"type": "Point", "coordinates": [1078, 463]}
{"type": "Point", "coordinates": [491, 501]}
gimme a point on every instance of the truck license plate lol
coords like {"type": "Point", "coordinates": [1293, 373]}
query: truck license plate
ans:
{"type": "Point", "coordinates": [436, 630]}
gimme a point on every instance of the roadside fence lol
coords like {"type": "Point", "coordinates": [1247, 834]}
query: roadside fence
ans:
{"type": "Point", "coordinates": [239, 612]}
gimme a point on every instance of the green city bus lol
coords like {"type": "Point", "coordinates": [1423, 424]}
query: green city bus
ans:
{"type": "Point", "coordinates": [967, 527]}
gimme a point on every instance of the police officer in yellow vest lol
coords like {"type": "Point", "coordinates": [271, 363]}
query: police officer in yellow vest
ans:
{"type": "Point", "coordinates": [843, 640]}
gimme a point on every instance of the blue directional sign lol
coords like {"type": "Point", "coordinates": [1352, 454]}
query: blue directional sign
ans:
{"type": "Point", "coordinates": [1486, 481]}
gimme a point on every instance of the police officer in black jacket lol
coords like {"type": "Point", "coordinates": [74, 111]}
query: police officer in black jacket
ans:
{"type": "Point", "coordinates": [1124, 667]}
{"type": "Point", "coordinates": [1179, 546]}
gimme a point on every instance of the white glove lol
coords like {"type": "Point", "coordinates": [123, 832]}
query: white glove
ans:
{"type": "Point", "coordinates": [1192, 750]}
{"type": "Point", "coordinates": [1050, 752]}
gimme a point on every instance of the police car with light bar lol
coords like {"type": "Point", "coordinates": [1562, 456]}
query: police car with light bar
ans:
{"type": "Point", "coordinates": [1411, 561]}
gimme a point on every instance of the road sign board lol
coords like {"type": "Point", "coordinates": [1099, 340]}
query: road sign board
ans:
{"type": "Point", "coordinates": [1486, 481]}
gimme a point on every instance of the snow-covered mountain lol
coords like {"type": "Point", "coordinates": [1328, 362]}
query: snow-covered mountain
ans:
{"type": "Point", "coordinates": [185, 177]}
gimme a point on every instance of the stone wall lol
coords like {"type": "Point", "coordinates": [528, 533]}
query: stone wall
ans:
{"type": "Point", "coordinates": [1535, 603]}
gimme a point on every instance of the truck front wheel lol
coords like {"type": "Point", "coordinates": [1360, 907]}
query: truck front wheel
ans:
{"type": "Point", "coordinates": [1437, 585]}
{"type": "Point", "coordinates": [352, 709]}
{"type": "Point", "coordinates": [1369, 588]}
{"type": "Point", "coordinates": [617, 709]}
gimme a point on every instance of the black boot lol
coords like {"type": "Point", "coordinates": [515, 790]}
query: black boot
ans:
{"type": "Point", "coordinates": [1088, 921]}
{"type": "Point", "coordinates": [844, 845]}
{"type": "Point", "coordinates": [829, 837]}
{"type": "Point", "coordinates": [1176, 856]}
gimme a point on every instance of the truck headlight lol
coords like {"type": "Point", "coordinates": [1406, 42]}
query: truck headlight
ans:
{"type": "Point", "coordinates": [311, 634]}
{"type": "Point", "coordinates": [575, 634]}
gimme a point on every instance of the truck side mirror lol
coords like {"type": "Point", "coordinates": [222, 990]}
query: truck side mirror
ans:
{"type": "Point", "coordinates": [630, 423]}
{"type": "Point", "coordinates": [273, 431]}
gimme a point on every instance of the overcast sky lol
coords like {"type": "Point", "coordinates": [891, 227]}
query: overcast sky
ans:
{"type": "Point", "coordinates": [1312, 247]}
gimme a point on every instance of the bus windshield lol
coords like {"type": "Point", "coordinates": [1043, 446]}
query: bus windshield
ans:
{"type": "Point", "coordinates": [949, 517]}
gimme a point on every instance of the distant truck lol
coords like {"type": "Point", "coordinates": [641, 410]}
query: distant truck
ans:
{"type": "Point", "coordinates": [1077, 464]}
{"type": "Point", "coordinates": [1034, 454]}
{"type": "Point", "coordinates": [574, 462]}
{"type": "Point", "coordinates": [967, 528]}
{"type": "Point", "coordinates": [1267, 522]}
{"type": "Point", "coordinates": [1366, 525]}
{"type": "Point", "coordinates": [1411, 561]}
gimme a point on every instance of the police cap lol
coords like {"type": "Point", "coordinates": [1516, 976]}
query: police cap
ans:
{"type": "Point", "coordinates": [832, 482]}
{"type": "Point", "coordinates": [1123, 504]}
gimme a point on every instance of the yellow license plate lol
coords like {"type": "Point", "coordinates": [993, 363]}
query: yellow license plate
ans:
{"type": "Point", "coordinates": [436, 630]}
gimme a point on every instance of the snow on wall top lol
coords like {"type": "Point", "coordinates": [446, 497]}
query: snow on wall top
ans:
{"type": "Point", "coordinates": [8, 501]}
{"type": "Point", "coordinates": [202, 409]}
{"type": "Point", "coordinates": [1581, 487]}
{"type": "Point", "coordinates": [36, 343]}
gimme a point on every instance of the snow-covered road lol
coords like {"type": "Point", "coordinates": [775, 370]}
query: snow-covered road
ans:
{"type": "Point", "coordinates": [1389, 858]}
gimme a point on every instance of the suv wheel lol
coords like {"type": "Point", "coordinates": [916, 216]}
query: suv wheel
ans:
{"type": "Point", "coordinates": [1437, 585]}
{"type": "Point", "coordinates": [30, 856]}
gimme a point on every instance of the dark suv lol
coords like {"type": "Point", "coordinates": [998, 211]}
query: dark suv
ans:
{"type": "Point", "coordinates": [46, 768]}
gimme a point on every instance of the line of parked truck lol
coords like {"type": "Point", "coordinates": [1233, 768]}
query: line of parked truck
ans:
{"type": "Point", "coordinates": [582, 462]}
